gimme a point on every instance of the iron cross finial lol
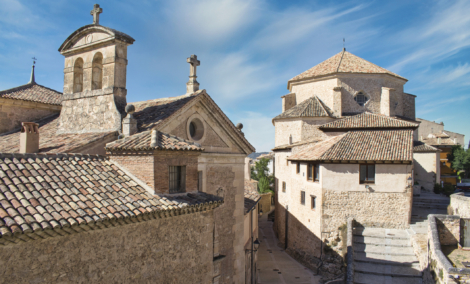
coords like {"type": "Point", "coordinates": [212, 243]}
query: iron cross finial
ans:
{"type": "Point", "coordinates": [96, 14]}
{"type": "Point", "coordinates": [34, 60]}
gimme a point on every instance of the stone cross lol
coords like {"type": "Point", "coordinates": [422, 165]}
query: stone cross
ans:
{"type": "Point", "coordinates": [192, 85]}
{"type": "Point", "coordinates": [96, 14]}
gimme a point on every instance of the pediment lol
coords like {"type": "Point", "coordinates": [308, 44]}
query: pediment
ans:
{"type": "Point", "coordinates": [90, 35]}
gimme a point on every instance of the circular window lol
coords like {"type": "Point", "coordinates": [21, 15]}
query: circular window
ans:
{"type": "Point", "coordinates": [196, 129]}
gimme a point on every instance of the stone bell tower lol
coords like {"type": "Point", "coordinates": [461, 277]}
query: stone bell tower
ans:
{"type": "Point", "coordinates": [94, 78]}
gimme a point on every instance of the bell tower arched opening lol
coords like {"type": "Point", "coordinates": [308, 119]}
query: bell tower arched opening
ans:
{"type": "Point", "coordinates": [97, 72]}
{"type": "Point", "coordinates": [78, 75]}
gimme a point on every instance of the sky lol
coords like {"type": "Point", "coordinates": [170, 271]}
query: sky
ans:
{"type": "Point", "coordinates": [249, 49]}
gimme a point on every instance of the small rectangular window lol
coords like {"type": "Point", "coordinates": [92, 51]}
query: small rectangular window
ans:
{"type": "Point", "coordinates": [313, 173]}
{"type": "Point", "coordinates": [177, 175]}
{"type": "Point", "coordinates": [298, 168]}
{"type": "Point", "coordinates": [367, 173]}
{"type": "Point", "coordinates": [283, 186]}
{"type": "Point", "coordinates": [302, 197]}
{"type": "Point", "coordinates": [313, 201]}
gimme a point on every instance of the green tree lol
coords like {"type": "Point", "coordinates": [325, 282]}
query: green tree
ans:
{"type": "Point", "coordinates": [260, 172]}
{"type": "Point", "coordinates": [459, 160]}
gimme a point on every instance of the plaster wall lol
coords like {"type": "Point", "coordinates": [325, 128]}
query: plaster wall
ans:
{"type": "Point", "coordinates": [14, 112]}
{"type": "Point", "coordinates": [285, 128]}
{"type": "Point", "coordinates": [427, 127]}
{"type": "Point", "coordinates": [170, 250]}
{"type": "Point", "coordinates": [426, 169]}
{"type": "Point", "coordinates": [223, 175]}
{"type": "Point", "coordinates": [322, 88]}
{"type": "Point", "coordinates": [371, 85]}
{"type": "Point", "coordinates": [345, 177]}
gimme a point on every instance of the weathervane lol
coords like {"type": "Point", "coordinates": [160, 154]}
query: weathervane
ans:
{"type": "Point", "coordinates": [344, 43]}
{"type": "Point", "coordinates": [34, 60]}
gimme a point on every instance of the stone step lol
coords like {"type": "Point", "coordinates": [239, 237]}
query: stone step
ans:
{"type": "Point", "coordinates": [412, 270]}
{"type": "Point", "coordinates": [384, 249]}
{"type": "Point", "coordinates": [381, 233]}
{"type": "Point", "coordinates": [365, 278]}
{"type": "Point", "coordinates": [430, 205]}
{"type": "Point", "coordinates": [419, 229]}
{"type": "Point", "coordinates": [430, 200]}
{"type": "Point", "coordinates": [381, 241]}
{"type": "Point", "coordinates": [384, 257]}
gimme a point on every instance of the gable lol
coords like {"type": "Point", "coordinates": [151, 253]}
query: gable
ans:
{"type": "Point", "coordinates": [220, 135]}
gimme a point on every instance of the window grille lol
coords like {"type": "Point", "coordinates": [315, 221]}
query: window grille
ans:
{"type": "Point", "coordinates": [283, 186]}
{"type": "Point", "coordinates": [361, 99]}
{"type": "Point", "coordinates": [367, 173]}
{"type": "Point", "coordinates": [177, 179]}
{"type": "Point", "coordinates": [302, 197]}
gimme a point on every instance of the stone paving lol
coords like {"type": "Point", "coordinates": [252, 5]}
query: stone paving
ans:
{"type": "Point", "coordinates": [274, 264]}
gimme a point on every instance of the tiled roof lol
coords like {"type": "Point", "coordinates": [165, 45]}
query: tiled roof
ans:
{"type": "Point", "coordinates": [34, 93]}
{"type": "Point", "coordinates": [298, 143]}
{"type": "Point", "coordinates": [438, 135]}
{"type": "Point", "coordinates": [439, 141]}
{"type": "Point", "coordinates": [251, 195]}
{"type": "Point", "coordinates": [50, 195]}
{"type": "Point", "coordinates": [419, 146]}
{"type": "Point", "coordinates": [49, 141]}
{"type": "Point", "coordinates": [375, 145]}
{"type": "Point", "coordinates": [368, 120]}
{"type": "Point", "coordinates": [143, 141]}
{"type": "Point", "coordinates": [150, 113]}
{"type": "Point", "coordinates": [311, 107]}
{"type": "Point", "coordinates": [343, 62]}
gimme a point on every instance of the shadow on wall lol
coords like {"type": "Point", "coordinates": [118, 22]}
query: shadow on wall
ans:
{"type": "Point", "coordinates": [424, 181]}
{"type": "Point", "coordinates": [321, 257]}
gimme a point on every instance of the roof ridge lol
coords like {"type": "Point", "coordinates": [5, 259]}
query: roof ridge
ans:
{"type": "Point", "coordinates": [17, 88]}
{"type": "Point", "coordinates": [51, 155]}
{"type": "Point", "coordinates": [325, 107]}
{"type": "Point", "coordinates": [340, 60]}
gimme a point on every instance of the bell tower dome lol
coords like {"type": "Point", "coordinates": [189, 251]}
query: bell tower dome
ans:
{"type": "Point", "coordinates": [94, 78]}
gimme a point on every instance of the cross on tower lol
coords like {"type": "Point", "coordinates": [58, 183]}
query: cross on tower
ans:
{"type": "Point", "coordinates": [192, 85]}
{"type": "Point", "coordinates": [96, 14]}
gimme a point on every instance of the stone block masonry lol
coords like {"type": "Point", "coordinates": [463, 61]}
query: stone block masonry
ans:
{"type": "Point", "coordinates": [13, 112]}
{"type": "Point", "coordinates": [375, 209]}
{"type": "Point", "coordinates": [171, 250]}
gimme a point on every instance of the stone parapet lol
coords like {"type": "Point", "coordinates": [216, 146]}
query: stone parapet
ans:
{"type": "Point", "coordinates": [442, 231]}
{"type": "Point", "coordinates": [460, 204]}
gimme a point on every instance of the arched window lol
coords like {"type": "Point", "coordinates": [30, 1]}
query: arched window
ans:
{"type": "Point", "coordinates": [361, 99]}
{"type": "Point", "coordinates": [78, 76]}
{"type": "Point", "coordinates": [97, 72]}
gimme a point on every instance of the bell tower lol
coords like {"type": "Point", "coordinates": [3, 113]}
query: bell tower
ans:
{"type": "Point", "coordinates": [94, 78]}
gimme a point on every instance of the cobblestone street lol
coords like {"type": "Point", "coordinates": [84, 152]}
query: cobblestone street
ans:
{"type": "Point", "coordinates": [274, 264]}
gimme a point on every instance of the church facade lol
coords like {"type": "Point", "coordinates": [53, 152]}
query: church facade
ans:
{"type": "Point", "coordinates": [151, 191]}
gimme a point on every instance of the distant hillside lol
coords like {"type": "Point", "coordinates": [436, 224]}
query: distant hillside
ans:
{"type": "Point", "coordinates": [255, 155]}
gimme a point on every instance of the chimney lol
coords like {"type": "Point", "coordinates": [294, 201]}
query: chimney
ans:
{"type": "Point", "coordinates": [129, 123]}
{"type": "Point", "coordinates": [29, 137]}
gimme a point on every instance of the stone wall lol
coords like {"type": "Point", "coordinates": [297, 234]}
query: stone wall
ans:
{"type": "Point", "coordinates": [288, 101]}
{"type": "Point", "coordinates": [409, 106]}
{"type": "Point", "coordinates": [444, 230]}
{"type": "Point", "coordinates": [153, 167]}
{"type": "Point", "coordinates": [426, 169]}
{"type": "Point", "coordinates": [286, 128]}
{"type": "Point", "coordinates": [322, 88]}
{"type": "Point", "coordinates": [14, 112]}
{"type": "Point", "coordinates": [223, 174]}
{"type": "Point", "coordinates": [170, 250]}
{"type": "Point", "coordinates": [90, 114]}
{"type": "Point", "coordinates": [375, 209]}
{"type": "Point", "coordinates": [460, 204]}
{"type": "Point", "coordinates": [310, 128]}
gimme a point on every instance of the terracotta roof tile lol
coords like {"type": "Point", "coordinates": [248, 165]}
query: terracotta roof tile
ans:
{"type": "Point", "coordinates": [55, 208]}
{"type": "Point", "coordinates": [368, 120]}
{"type": "Point", "coordinates": [142, 141]}
{"type": "Point", "coordinates": [34, 93]}
{"type": "Point", "coordinates": [375, 145]}
{"type": "Point", "coordinates": [311, 107]}
{"type": "Point", "coordinates": [419, 146]}
{"type": "Point", "coordinates": [343, 62]}
{"type": "Point", "coordinates": [49, 141]}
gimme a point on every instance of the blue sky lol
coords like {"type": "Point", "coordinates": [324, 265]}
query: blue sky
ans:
{"type": "Point", "coordinates": [249, 49]}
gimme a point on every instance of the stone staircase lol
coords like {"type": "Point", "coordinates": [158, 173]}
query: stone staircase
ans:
{"type": "Point", "coordinates": [384, 256]}
{"type": "Point", "coordinates": [423, 205]}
